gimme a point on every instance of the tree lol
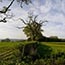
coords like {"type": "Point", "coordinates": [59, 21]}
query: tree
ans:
{"type": "Point", "coordinates": [6, 40]}
{"type": "Point", "coordinates": [6, 8]}
{"type": "Point", "coordinates": [33, 28]}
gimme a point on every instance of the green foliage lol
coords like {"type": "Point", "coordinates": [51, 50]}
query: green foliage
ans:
{"type": "Point", "coordinates": [44, 51]}
{"type": "Point", "coordinates": [39, 62]}
{"type": "Point", "coordinates": [33, 51]}
{"type": "Point", "coordinates": [33, 29]}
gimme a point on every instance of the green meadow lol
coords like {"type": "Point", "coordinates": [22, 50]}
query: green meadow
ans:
{"type": "Point", "coordinates": [56, 46]}
{"type": "Point", "coordinates": [10, 54]}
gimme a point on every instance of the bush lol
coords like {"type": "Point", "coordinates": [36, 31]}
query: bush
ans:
{"type": "Point", "coordinates": [39, 62]}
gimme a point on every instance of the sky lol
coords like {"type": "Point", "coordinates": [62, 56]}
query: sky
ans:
{"type": "Point", "coordinates": [51, 10]}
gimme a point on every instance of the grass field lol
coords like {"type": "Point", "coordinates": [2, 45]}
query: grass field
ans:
{"type": "Point", "coordinates": [56, 46]}
{"type": "Point", "coordinates": [7, 48]}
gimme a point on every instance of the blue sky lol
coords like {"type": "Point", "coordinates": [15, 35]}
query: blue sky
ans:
{"type": "Point", "coordinates": [51, 10]}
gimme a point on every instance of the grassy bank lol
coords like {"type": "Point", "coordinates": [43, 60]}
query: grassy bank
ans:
{"type": "Point", "coordinates": [48, 52]}
{"type": "Point", "coordinates": [56, 46]}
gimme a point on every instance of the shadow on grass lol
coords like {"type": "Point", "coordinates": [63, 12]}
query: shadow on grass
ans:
{"type": "Point", "coordinates": [34, 50]}
{"type": "Point", "coordinates": [44, 51]}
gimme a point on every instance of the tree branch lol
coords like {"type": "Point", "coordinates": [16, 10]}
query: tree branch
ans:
{"type": "Point", "coordinates": [41, 22]}
{"type": "Point", "coordinates": [7, 7]}
{"type": "Point", "coordinates": [23, 21]}
{"type": "Point", "coordinates": [3, 20]}
{"type": "Point", "coordinates": [35, 18]}
{"type": "Point", "coordinates": [20, 27]}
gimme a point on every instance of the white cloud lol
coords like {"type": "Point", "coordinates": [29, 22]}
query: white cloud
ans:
{"type": "Point", "coordinates": [55, 26]}
{"type": "Point", "coordinates": [45, 8]}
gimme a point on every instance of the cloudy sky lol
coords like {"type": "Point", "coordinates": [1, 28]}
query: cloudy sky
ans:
{"type": "Point", "coordinates": [51, 10]}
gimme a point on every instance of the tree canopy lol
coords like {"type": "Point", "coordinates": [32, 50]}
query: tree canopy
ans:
{"type": "Point", "coordinates": [33, 28]}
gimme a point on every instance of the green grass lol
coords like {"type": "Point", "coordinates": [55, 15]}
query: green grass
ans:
{"type": "Point", "coordinates": [56, 46]}
{"type": "Point", "coordinates": [7, 50]}
{"type": "Point", "coordinates": [8, 44]}
{"type": "Point", "coordinates": [5, 46]}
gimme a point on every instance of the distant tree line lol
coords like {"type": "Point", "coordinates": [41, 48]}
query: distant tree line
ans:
{"type": "Point", "coordinates": [51, 39]}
